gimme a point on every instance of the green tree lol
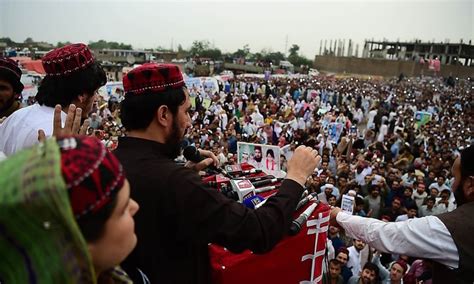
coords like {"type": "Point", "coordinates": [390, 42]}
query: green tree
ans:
{"type": "Point", "coordinates": [199, 46]}
{"type": "Point", "coordinates": [294, 50]}
{"type": "Point", "coordinates": [295, 58]}
{"type": "Point", "coordinates": [61, 44]}
{"type": "Point", "coordinates": [8, 41]}
{"type": "Point", "coordinates": [242, 52]}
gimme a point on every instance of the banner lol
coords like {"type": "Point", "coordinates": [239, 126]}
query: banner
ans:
{"type": "Point", "coordinates": [207, 86]}
{"type": "Point", "coordinates": [335, 131]}
{"type": "Point", "coordinates": [262, 157]}
{"type": "Point", "coordinates": [422, 118]}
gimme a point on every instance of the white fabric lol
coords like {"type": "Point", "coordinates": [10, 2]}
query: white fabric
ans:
{"type": "Point", "coordinates": [20, 130]}
{"type": "Point", "coordinates": [354, 260]}
{"type": "Point", "coordinates": [425, 237]}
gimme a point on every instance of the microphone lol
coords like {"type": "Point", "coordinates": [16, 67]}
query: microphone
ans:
{"type": "Point", "coordinates": [265, 189]}
{"type": "Point", "coordinates": [298, 222]}
{"type": "Point", "coordinates": [305, 200]}
{"type": "Point", "coordinates": [243, 188]}
{"type": "Point", "coordinates": [192, 154]}
{"type": "Point", "coordinates": [265, 182]}
{"type": "Point", "coordinates": [252, 202]}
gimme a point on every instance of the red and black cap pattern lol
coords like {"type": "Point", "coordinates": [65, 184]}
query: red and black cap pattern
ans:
{"type": "Point", "coordinates": [91, 172]}
{"type": "Point", "coordinates": [67, 59]}
{"type": "Point", "coordinates": [153, 77]}
{"type": "Point", "coordinates": [9, 71]}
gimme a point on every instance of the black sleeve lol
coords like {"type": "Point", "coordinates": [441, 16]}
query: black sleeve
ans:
{"type": "Point", "coordinates": [206, 215]}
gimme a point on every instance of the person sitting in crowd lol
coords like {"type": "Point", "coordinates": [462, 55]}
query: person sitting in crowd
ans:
{"type": "Point", "coordinates": [66, 214]}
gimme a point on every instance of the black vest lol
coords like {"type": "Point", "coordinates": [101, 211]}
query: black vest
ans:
{"type": "Point", "coordinates": [460, 224]}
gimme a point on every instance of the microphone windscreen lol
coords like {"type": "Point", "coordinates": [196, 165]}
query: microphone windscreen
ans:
{"type": "Point", "coordinates": [191, 153]}
{"type": "Point", "coordinates": [252, 201]}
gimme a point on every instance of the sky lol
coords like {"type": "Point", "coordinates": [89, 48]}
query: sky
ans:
{"type": "Point", "coordinates": [229, 25]}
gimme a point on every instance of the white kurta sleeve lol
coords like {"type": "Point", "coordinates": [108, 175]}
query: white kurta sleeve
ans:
{"type": "Point", "coordinates": [425, 237]}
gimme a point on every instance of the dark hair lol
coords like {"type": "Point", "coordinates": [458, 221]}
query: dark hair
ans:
{"type": "Point", "coordinates": [137, 111]}
{"type": "Point", "coordinates": [467, 166]}
{"type": "Point", "coordinates": [335, 262]}
{"type": "Point", "coordinates": [372, 267]}
{"type": "Point", "coordinates": [92, 225]}
{"type": "Point", "coordinates": [412, 206]}
{"type": "Point", "coordinates": [11, 78]}
{"type": "Point", "coordinates": [270, 151]}
{"type": "Point", "coordinates": [63, 90]}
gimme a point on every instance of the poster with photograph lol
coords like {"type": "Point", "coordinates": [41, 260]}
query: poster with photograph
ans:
{"type": "Point", "coordinates": [334, 131]}
{"type": "Point", "coordinates": [422, 118]}
{"type": "Point", "coordinates": [262, 157]}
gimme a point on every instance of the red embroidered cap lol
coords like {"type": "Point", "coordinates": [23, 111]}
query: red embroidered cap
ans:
{"type": "Point", "coordinates": [10, 72]}
{"type": "Point", "coordinates": [153, 77]}
{"type": "Point", "coordinates": [91, 172]}
{"type": "Point", "coordinates": [67, 59]}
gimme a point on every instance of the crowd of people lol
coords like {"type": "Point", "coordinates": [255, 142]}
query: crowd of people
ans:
{"type": "Point", "coordinates": [394, 154]}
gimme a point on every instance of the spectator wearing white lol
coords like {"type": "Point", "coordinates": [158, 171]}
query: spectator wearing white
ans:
{"type": "Point", "coordinates": [439, 184]}
{"type": "Point", "coordinates": [429, 208]}
{"type": "Point", "coordinates": [355, 257]}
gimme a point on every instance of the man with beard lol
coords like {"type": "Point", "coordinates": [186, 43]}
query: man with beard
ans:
{"type": "Point", "coordinates": [73, 76]}
{"type": "Point", "coordinates": [180, 216]}
{"type": "Point", "coordinates": [444, 238]}
{"type": "Point", "coordinates": [257, 157]}
{"type": "Point", "coordinates": [10, 87]}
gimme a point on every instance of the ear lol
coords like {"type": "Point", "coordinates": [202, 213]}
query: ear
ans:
{"type": "Point", "coordinates": [469, 188]}
{"type": "Point", "coordinates": [82, 98]}
{"type": "Point", "coordinates": [164, 116]}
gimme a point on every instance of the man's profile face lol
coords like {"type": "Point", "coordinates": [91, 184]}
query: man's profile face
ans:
{"type": "Point", "coordinates": [181, 122]}
{"type": "Point", "coordinates": [7, 95]}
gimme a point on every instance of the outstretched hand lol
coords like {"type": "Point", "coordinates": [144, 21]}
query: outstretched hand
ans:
{"type": "Point", "coordinates": [72, 125]}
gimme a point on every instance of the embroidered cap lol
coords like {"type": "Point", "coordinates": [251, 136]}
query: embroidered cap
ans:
{"type": "Point", "coordinates": [67, 59]}
{"type": "Point", "coordinates": [91, 172]}
{"type": "Point", "coordinates": [10, 72]}
{"type": "Point", "coordinates": [153, 77]}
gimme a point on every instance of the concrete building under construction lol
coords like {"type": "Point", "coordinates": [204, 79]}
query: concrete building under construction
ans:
{"type": "Point", "coordinates": [448, 53]}
{"type": "Point", "coordinates": [391, 58]}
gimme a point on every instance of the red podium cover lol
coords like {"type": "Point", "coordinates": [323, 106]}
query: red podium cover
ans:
{"type": "Point", "coordinates": [295, 259]}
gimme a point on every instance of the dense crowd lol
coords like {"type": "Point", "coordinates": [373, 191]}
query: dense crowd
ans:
{"type": "Point", "coordinates": [395, 167]}
{"type": "Point", "coordinates": [395, 163]}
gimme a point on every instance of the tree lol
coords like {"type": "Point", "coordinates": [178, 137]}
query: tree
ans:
{"type": "Point", "coordinates": [61, 44]}
{"type": "Point", "coordinates": [199, 46]}
{"type": "Point", "coordinates": [295, 58]}
{"type": "Point", "coordinates": [29, 40]}
{"type": "Point", "coordinates": [102, 44]}
{"type": "Point", "coordinates": [243, 52]}
{"type": "Point", "coordinates": [294, 50]}
{"type": "Point", "coordinates": [8, 41]}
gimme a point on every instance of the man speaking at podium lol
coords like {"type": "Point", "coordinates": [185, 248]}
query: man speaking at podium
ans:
{"type": "Point", "coordinates": [179, 215]}
{"type": "Point", "coordinates": [445, 238]}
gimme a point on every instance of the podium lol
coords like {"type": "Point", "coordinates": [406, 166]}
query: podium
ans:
{"type": "Point", "coordinates": [295, 259]}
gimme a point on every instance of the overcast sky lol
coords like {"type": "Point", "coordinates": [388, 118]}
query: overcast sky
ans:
{"type": "Point", "coordinates": [232, 24]}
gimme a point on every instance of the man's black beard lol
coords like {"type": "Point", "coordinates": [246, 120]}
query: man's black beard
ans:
{"type": "Point", "coordinates": [258, 159]}
{"type": "Point", "coordinates": [459, 196]}
{"type": "Point", "coordinates": [174, 140]}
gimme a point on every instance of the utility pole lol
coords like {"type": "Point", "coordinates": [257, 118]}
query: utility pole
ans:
{"type": "Point", "coordinates": [286, 45]}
